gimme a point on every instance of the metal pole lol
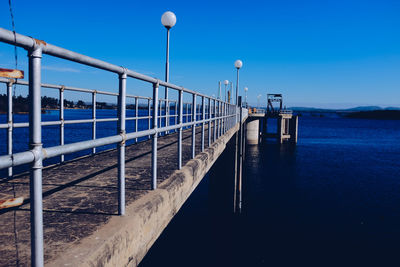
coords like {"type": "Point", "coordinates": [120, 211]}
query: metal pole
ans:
{"type": "Point", "coordinates": [136, 115]}
{"type": "Point", "coordinates": [209, 122]}
{"type": "Point", "coordinates": [220, 119]}
{"type": "Point", "coordinates": [154, 144]}
{"type": "Point", "coordinates": [62, 120]}
{"type": "Point", "coordinates": [167, 80]}
{"type": "Point", "coordinates": [35, 142]}
{"type": "Point", "coordinates": [187, 112]}
{"type": "Point", "coordinates": [237, 85]}
{"type": "Point", "coordinates": [176, 114]}
{"type": "Point", "coordinates": [215, 120]}
{"type": "Point", "coordinates": [194, 127]}
{"type": "Point", "coordinates": [219, 90]}
{"type": "Point", "coordinates": [240, 153]}
{"type": "Point", "coordinates": [203, 112]}
{"type": "Point", "coordinates": [149, 115]}
{"type": "Point", "coordinates": [94, 106]}
{"type": "Point", "coordinates": [10, 124]}
{"type": "Point", "coordinates": [180, 102]}
{"type": "Point", "coordinates": [121, 146]}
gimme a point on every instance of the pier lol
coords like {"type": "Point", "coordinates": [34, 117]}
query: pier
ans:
{"type": "Point", "coordinates": [258, 121]}
{"type": "Point", "coordinates": [107, 208]}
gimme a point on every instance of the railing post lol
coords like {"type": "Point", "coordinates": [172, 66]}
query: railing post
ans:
{"type": "Point", "coordinates": [121, 146]}
{"type": "Point", "coordinates": [180, 121]}
{"type": "Point", "coordinates": [176, 114]}
{"type": "Point", "coordinates": [194, 127]}
{"type": "Point", "coordinates": [219, 118]}
{"type": "Point", "coordinates": [154, 144]}
{"type": "Point", "coordinates": [203, 112]}
{"type": "Point", "coordinates": [35, 143]}
{"type": "Point", "coordinates": [209, 122]}
{"type": "Point", "coordinates": [10, 124]}
{"type": "Point", "coordinates": [136, 115]}
{"type": "Point", "coordinates": [215, 120]}
{"type": "Point", "coordinates": [61, 120]}
{"type": "Point", "coordinates": [148, 115]}
{"type": "Point", "coordinates": [94, 105]}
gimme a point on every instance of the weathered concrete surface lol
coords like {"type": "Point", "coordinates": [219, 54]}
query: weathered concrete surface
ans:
{"type": "Point", "coordinates": [80, 205]}
{"type": "Point", "coordinates": [124, 241]}
{"type": "Point", "coordinates": [252, 131]}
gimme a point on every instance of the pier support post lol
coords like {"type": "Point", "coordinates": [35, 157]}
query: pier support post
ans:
{"type": "Point", "coordinates": [253, 132]}
{"type": "Point", "coordinates": [35, 143]}
{"type": "Point", "coordinates": [121, 146]}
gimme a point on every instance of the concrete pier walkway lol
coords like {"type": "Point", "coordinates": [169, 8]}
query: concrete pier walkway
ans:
{"type": "Point", "coordinates": [81, 226]}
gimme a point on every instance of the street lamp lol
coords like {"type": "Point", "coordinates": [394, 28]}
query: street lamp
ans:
{"type": "Point", "coordinates": [245, 93]}
{"type": "Point", "coordinates": [238, 65]}
{"type": "Point", "coordinates": [168, 19]}
{"type": "Point", "coordinates": [226, 82]}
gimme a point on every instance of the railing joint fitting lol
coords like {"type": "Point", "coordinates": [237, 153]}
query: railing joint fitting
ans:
{"type": "Point", "coordinates": [62, 88]}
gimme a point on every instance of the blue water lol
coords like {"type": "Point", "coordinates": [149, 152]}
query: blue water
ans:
{"type": "Point", "coordinates": [74, 132]}
{"type": "Point", "coordinates": [333, 200]}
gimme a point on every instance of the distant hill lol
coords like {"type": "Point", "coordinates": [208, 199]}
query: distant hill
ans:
{"type": "Point", "coordinates": [355, 109]}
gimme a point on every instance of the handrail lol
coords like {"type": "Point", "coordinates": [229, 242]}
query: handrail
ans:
{"type": "Point", "coordinates": [219, 115]}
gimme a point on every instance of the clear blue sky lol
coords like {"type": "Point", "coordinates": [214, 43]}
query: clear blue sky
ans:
{"type": "Point", "coordinates": [317, 53]}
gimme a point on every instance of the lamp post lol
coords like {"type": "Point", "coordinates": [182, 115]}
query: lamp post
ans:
{"type": "Point", "coordinates": [238, 65]}
{"type": "Point", "coordinates": [219, 90]}
{"type": "Point", "coordinates": [168, 19]}
{"type": "Point", "coordinates": [230, 92]}
{"type": "Point", "coordinates": [226, 82]}
{"type": "Point", "coordinates": [245, 93]}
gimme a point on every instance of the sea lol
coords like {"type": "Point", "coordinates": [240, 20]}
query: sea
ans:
{"type": "Point", "coordinates": [331, 200]}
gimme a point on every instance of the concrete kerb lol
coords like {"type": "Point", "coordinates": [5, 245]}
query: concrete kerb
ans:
{"type": "Point", "coordinates": [125, 240]}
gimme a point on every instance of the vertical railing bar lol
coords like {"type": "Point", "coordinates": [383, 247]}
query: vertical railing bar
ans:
{"type": "Point", "coordinates": [215, 120]}
{"type": "Point", "coordinates": [154, 144]}
{"type": "Point", "coordinates": [202, 124]}
{"type": "Point", "coordinates": [121, 146]}
{"type": "Point", "coordinates": [61, 115]}
{"type": "Point", "coordinates": [209, 122]}
{"type": "Point", "coordinates": [10, 123]}
{"type": "Point", "coordinates": [176, 114]}
{"type": "Point", "coordinates": [137, 116]}
{"type": "Point", "coordinates": [180, 100]}
{"type": "Point", "coordinates": [194, 127]}
{"type": "Point", "coordinates": [148, 115]}
{"type": "Point", "coordinates": [35, 141]}
{"type": "Point", "coordinates": [94, 126]}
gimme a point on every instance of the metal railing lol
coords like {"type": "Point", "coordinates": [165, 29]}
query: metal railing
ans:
{"type": "Point", "coordinates": [219, 115]}
{"type": "Point", "coordinates": [286, 111]}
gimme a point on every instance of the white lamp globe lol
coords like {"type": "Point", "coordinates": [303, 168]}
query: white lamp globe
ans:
{"type": "Point", "coordinates": [246, 89]}
{"type": "Point", "coordinates": [168, 19]}
{"type": "Point", "coordinates": [226, 82]}
{"type": "Point", "coordinates": [238, 64]}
